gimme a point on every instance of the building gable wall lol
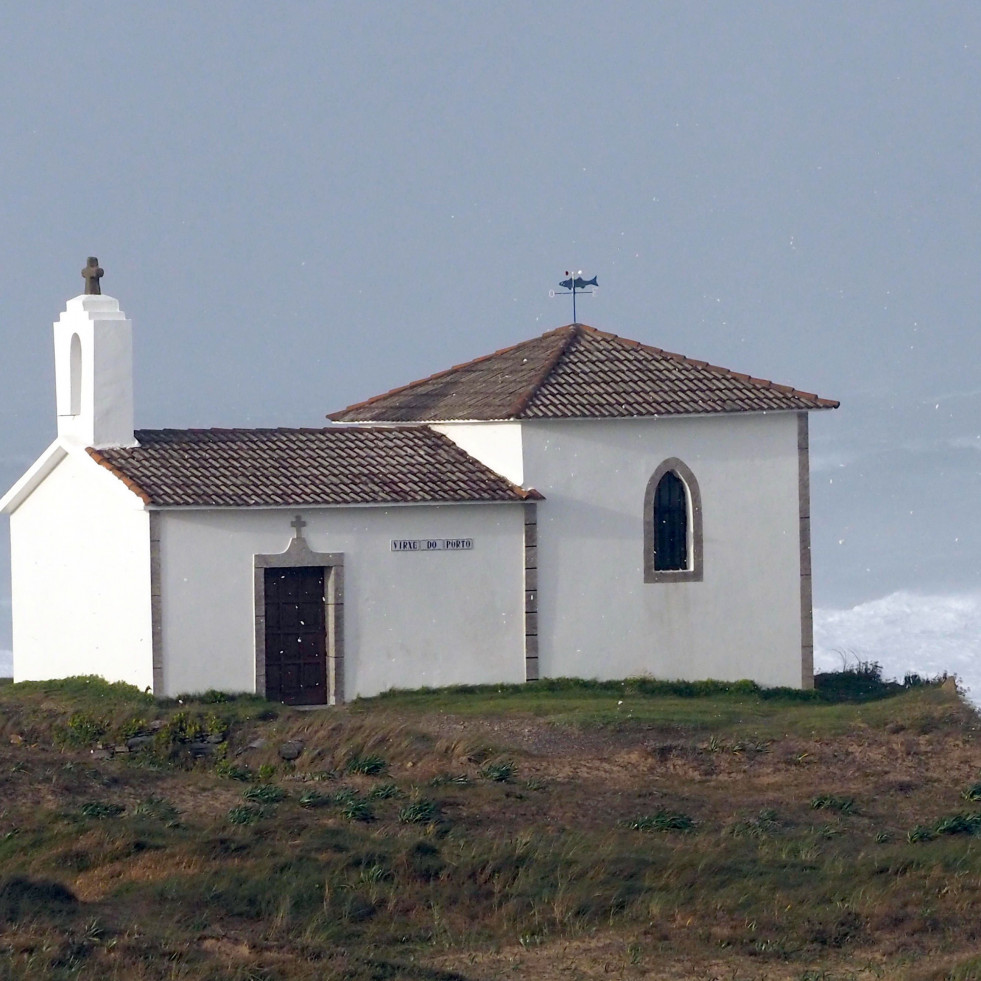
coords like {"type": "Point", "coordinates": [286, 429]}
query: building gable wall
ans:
{"type": "Point", "coordinates": [80, 561]}
{"type": "Point", "coordinates": [597, 617]}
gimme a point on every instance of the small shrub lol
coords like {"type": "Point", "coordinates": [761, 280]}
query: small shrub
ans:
{"type": "Point", "coordinates": [914, 680]}
{"type": "Point", "coordinates": [375, 873]}
{"type": "Point", "coordinates": [246, 814]}
{"type": "Point", "coordinates": [266, 772]}
{"type": "Point", "coordinates": [216, 727]}
{"type": "Point", "coordinates": [265, 793]}
{"type": "Point", "coordinates": [158, 808]}
{"type": "Point", "coordinates": [232, 771]}
{"type": "Point", "coordinates": [766, 822]}
{"type": "Point", "coordinates": [358, 810]}
{"type": "Point", "coordinates": [313, 798]}
{"type": "Point", "coordinates": [714, 745]}
{"type": "Point", "coordinates": [920, 833]}
{"type": "Point", "coordinates": [858, 682]}
{"type": "Point", "coordinates": [661, 821]}
{"type": "Point", "coordinates": [182, 728]}
{"type": "Point", "coordinates": [179, 742]}
{"type": "Point", "coordinates": [214, 697]}
{"type": "Point", "coordinates": [500, 772]}
{"type": "Point", "coordinates": [973, 792]}
{"type": "Point", "coordinates": [384, 791]}
{"type": "Point", "coordinates": [99, 809]}
{"type": "Point", "coordinates": [344, 796]}
{"type": "Point", "coordinates": [452, 779]}
{"type": "Point", "coordinates": [958, 824]}
{"type": "Point", "coordinates": [133, 726]}
{"type": "Point", "coordinates": [368, 765]}
{"type": "Point", "coordinates": [717, 745]}
{"type": "Point", "coordinates": [420, 811]}
{"type": "Point", "coordinates": [83, 729]}
{"type": "Point", "coordinates": [844, 805]}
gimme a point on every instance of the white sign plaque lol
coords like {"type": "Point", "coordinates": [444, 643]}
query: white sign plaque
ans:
{"type": "Point", "coordinates": [432, 544]}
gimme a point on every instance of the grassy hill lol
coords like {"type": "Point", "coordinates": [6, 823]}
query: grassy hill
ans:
{"type": "Point", "coordinates": [560, 830]}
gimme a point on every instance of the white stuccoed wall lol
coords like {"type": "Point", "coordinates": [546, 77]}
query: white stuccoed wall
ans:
{"type": "Point", "coordinates": [497, 444]}
{"type": "Point", "coordinates": [597, 616]}
{"type": "Point", "coordinates": [80, 560]}
{"type": "Point", "coordinates": [410, 619]}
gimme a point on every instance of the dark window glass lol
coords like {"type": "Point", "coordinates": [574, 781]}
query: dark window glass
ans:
{"type": "Point", "coordinates": [670, 524]}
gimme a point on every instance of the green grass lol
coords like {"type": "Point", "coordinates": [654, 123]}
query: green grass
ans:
{"type": "Point", "coordinates": [660, 821]}
{"type": "Point", "coordinates": [686, 707]}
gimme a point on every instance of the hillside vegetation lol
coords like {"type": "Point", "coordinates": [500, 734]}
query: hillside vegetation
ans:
{"type": "Point", "coordinates": [558, 830]}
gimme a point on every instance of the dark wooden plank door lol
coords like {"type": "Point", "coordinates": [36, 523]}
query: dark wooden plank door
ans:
{"type": "Point", "coordinates": [296, 636]}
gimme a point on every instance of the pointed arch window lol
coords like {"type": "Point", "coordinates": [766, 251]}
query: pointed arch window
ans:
{"type": "Point", "coordinates": [672, 525]}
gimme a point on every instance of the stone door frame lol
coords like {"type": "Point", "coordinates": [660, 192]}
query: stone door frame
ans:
{"type": "Point", "coordinates": [299, 554]}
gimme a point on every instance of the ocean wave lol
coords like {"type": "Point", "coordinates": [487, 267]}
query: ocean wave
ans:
{"type": "Point", "coordinates": [928, 635]}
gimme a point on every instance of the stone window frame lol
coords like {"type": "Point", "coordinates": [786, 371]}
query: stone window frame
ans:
{"type": "Point", "coordinates": [693, 495]}
{"type": "Point", "coordinates": [299, 554]}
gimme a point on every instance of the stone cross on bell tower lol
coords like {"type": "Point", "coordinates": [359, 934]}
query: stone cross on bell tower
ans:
{"type": "Point", "coordinates": [92, 273]}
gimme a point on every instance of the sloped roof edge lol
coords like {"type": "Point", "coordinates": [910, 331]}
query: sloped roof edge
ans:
{"type": "Point", "coordinates": [38, 470]}
{"type": "Point", "coordinates": [116, 472]}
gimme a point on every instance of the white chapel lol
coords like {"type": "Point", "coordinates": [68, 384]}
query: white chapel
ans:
{"type": "Point", "coordinates": [576, 504]}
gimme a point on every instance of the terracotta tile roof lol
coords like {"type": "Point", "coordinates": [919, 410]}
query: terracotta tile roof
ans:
{"type": "Point", "coordinates": [294, 467]}
{"type": "Point", "coordinates": [579, 372]}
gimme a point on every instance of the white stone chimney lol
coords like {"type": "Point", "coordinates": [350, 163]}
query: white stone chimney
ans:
{"type": "Point", "coordinates": [94, 372]}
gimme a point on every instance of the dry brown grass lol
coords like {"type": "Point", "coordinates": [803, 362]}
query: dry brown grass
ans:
{"type": "Point", "coordinates": [532, 876]}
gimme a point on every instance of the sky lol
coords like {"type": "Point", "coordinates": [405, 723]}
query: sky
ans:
{"type": "Point", "coordinates": [305, 205]}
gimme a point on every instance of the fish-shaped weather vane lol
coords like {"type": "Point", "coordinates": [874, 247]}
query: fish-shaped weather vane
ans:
{"type": "Point", "coordinates": [574, 283]}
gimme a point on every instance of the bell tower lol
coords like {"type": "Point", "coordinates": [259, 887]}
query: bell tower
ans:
{"type": "Point", "coordinates": [93, 344]}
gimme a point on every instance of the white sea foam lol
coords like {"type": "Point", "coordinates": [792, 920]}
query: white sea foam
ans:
{"type": "Point", "coordinates": [906, 632]}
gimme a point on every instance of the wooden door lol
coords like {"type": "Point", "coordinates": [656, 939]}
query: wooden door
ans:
{"type": "Point", "coordinates": [296, 636]}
